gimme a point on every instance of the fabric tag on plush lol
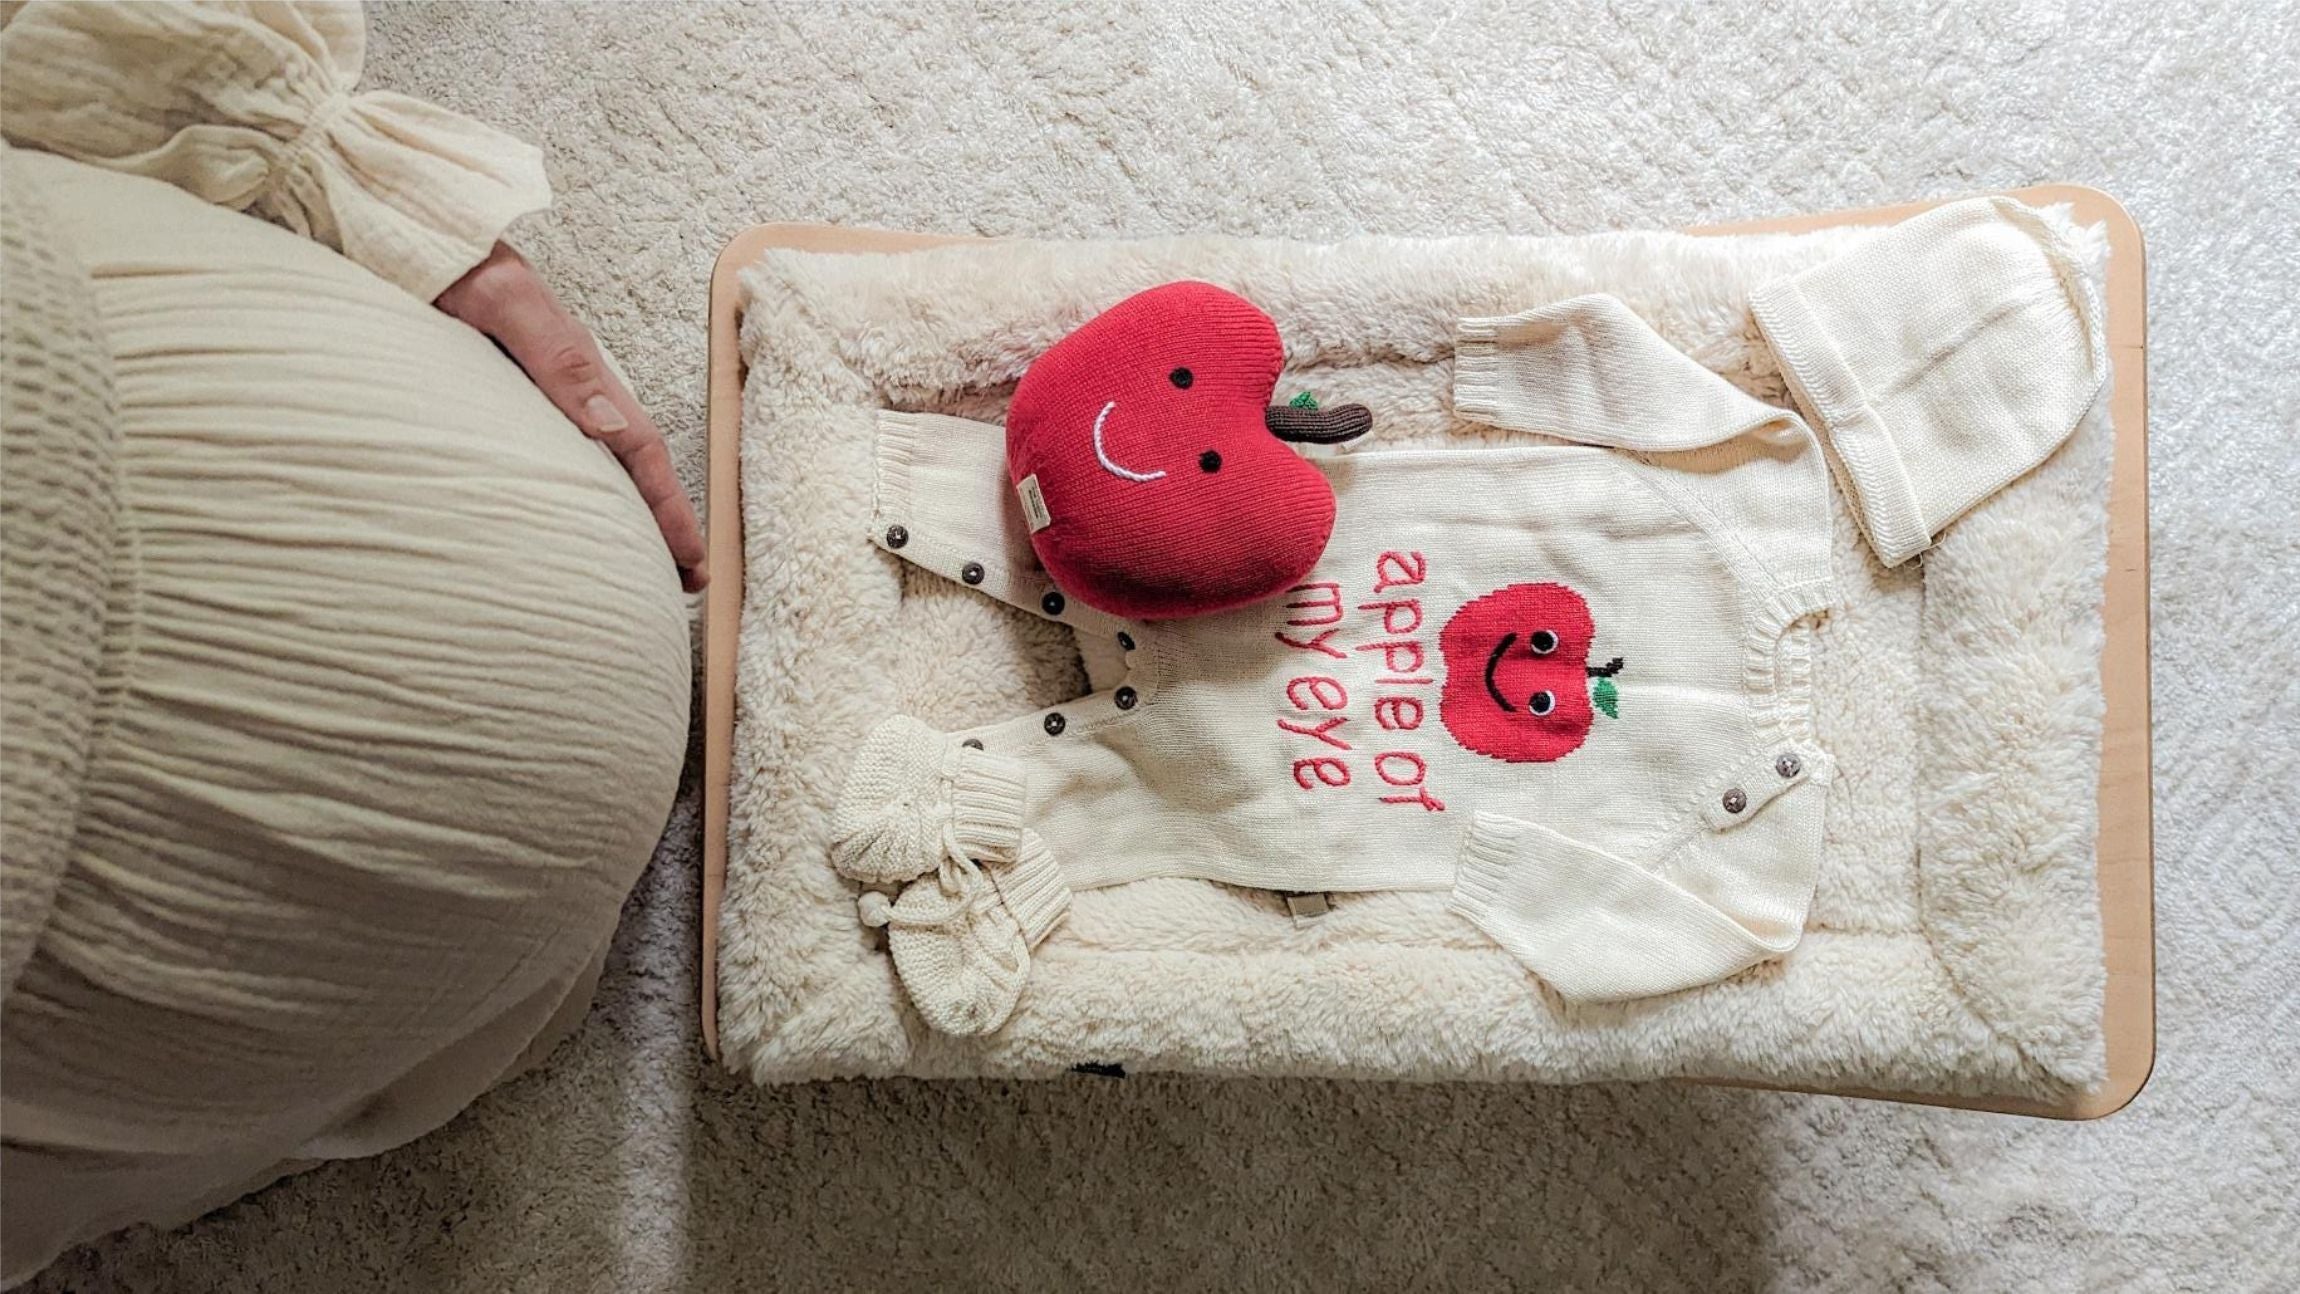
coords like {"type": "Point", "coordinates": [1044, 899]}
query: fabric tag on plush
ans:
{"type": "Point", "coordinates": [1033, 503]}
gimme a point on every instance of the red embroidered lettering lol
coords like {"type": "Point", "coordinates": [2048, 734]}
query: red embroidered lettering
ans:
{"type": "Point", "coordinates": [1327, 601]}
{"type": "Point", "coordinates": [1326, 693]}
{"type": "Point", "coordinates": [1321, 701]}
{"type": "Point", "coordinates": [1398, 713]}
{"type": "Point", "coordinates": [1381, 770]}
{"type": "Point", "coordinates": [1392, 652]}
{"type": "Point", "coordinates": [1391, 569]}
{"type": "Point", "coordinates": [1390, 614]}
{"type": "Point", "coordinates": [1317, 644]}
{"type": "Point", "coordinates": [1320, 731]}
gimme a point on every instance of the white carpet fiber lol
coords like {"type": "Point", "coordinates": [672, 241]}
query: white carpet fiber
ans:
{"type": "Point", "coordinates": [630, 1164]}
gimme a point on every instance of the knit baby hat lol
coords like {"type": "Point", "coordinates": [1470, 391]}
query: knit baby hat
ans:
{"type": "Point", "coordinates": [1941, 361]}
{"type": "Point", "coordinates": [1151, 467]}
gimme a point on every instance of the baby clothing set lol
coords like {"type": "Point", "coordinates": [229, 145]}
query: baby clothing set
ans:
{"type": "Point", "coordinates": [1567, 683]}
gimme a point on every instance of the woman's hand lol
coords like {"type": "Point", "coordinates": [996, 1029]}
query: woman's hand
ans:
{"type": "Point", "coordinates": [504, 298]}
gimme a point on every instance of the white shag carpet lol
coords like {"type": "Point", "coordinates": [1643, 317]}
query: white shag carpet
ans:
{"type": "Point", "coordinates": [628, 1163]}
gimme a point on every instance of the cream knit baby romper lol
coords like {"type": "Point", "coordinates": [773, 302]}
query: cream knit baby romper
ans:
{"type": "Point", "coordinates": [1567, 683]}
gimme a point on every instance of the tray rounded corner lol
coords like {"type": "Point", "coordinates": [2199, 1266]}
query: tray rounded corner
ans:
{"type": "Point", "coordinates": [2117, 1093]}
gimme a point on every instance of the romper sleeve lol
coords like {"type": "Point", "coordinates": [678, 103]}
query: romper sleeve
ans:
{"type": "Point", "coordinates": [941, 500]}
{"type": "Point", "coordinates": [1588, 370]}
{"type": "Point", "coordinates": [253, 107]}
{"type": "Point", "coordinates": [1597, 927]}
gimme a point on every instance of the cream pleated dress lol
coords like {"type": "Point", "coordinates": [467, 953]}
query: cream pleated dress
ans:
{"type": "Point", "coordinates": [346, 681]}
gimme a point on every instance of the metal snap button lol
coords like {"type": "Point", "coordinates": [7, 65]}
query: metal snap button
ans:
{"type": "Point", "coordinates": [1125, 697]}
{"type": "Point", "coordinates": [1735, 800]}
{"type": "Point", "coordinates": [896, 536]}
{"type": "Point", "coordinates": [1053, 602]}
{"type": "Point", "coordinates": [1788, 766]}
{"type": "Point", "coordinates": [1055, 724]}
{"type": "Point", "coordinates": [972, 743]}
{"type": "Point", "coordinates": [1125, 641]}
{"type": "Point", "coordinates": [972, 573]}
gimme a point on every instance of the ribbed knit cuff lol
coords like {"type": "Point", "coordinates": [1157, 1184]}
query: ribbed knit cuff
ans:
{"type": "Point", "coordinates": [986, 798]}
{"type": "Point", "coordinates": [1860, 444]}
{"type": "Point", "coordinates": [1477, 368]}
{"type": "Point", "coordinates": [1489, 853]}
{"type": "Point", "coordinates": [1033, 888]}
{"type": "Point", "coordinates": [1596, 928]}
{"type": "Point", "coordinates": [895, 452]}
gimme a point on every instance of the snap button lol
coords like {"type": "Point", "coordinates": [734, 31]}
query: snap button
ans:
{"type": "Point", "coordinates": [896, 536]}
{"type": "Point", "coordinates": [1125, 697]}
{"type": "Point", "coordinates": [1735, 800]}
{"type": "Point", "coordinates": [972, 573]}
{"type": "Point", "coordinates": [1055, 724]}
{"type": "Point", "coordinates": [1053, 602]}
{"type": "Point", "coordinates": [972, 743]}
{"type": "Point", "coordinates": [1788, 766]}
{"type": "Point", "coordinates": [1125, 641]}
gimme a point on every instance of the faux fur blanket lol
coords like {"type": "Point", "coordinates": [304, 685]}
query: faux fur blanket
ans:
{"type": "Point", "coordinates": [1954, 943]}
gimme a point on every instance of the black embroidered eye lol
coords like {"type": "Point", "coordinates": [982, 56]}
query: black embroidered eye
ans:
{"type": "Point", "coordinates": [1543, 642]}
{"type": "Point", "coordinates": [1541, 703]}
{"type": "Point", "coordinates": [1181, 378]}
{"type": "Point", "coordinates": [1210, 461]}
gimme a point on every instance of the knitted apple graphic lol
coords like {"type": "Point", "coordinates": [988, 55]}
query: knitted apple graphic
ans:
{"type": "Point", "coordinates": [1152, 470]}
{"type": "Point", "coordinates": [1518, 683]}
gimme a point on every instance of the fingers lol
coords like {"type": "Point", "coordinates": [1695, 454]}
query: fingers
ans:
{"type": "Point", "coordinates": [649, 464]}
{"type": "Point", "coordinates": [505, 299]}
{"type": "Point", "coordinates": [575, 376]}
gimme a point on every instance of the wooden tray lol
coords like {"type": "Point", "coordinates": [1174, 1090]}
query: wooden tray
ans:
{"type": "Point", "coordinates": [2126, 850]}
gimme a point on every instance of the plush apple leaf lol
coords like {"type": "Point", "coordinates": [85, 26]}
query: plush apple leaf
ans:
{"type": "Point", "coordinates": [1606, 698]}
{"type": "Point", "coordinates": [1303, 401]}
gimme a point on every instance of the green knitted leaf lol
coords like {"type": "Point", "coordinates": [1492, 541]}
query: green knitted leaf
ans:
{"type": "Point", "coordinates": [1606, 698]}
{"type": "Point", "coordinates": [1303, 401]}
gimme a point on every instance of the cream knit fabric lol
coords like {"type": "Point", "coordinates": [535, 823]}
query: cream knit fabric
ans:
{"type": "Point", "coordinates": [1565, 681]}
{"type": "Point", "coordinates": [962, 937]}
{"type": "Point", "coordinates": [1941, 361]}
{"type": "Point", "coordinates": [251, 106]}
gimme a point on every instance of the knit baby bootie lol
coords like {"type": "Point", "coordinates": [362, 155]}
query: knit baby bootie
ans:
{"type": "Point", "coordinates": [946, 817]}
{"type": "Point", "coordinates": [961, 938]}
{"type": "Point", "coordinates": [909, 789]}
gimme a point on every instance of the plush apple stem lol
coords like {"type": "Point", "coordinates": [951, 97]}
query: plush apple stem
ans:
{"type": "Point", "coordinates": [1318, 426]}
{"type": "Point", "coordinates": [1607, 670]}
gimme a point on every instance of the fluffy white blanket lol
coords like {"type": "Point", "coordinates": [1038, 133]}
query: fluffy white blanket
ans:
{"type": "Point", "coordinates": [1954, 943]}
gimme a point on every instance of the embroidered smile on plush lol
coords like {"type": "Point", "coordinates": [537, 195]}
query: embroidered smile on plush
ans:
{"type": "Point", "coordinates": [1155, 473]}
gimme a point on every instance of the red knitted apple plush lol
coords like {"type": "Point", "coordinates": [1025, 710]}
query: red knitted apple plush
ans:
{"type": "Point", "coordinates": [1152, 468]}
